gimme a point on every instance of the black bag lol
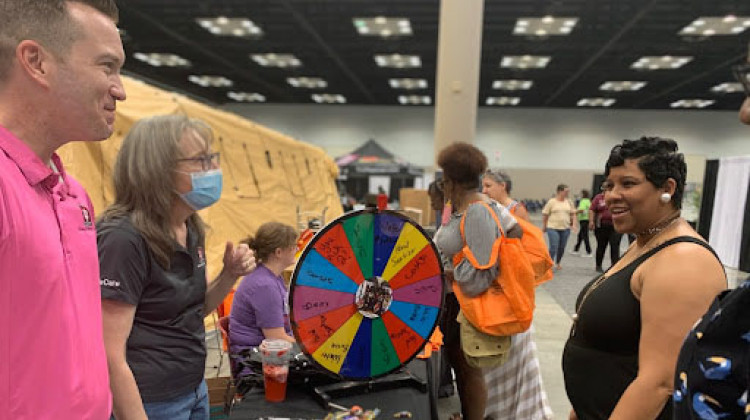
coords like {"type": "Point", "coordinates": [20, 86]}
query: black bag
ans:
{"type": "Point", "coordinates": [713, 368]}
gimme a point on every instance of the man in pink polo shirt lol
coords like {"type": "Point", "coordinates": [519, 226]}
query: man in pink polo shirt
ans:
{"type": "Point", "coordinates": [59, 82]}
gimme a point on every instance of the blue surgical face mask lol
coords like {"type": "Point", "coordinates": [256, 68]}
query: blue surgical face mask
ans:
{"type": "Point", "coordinates": [206, 189]}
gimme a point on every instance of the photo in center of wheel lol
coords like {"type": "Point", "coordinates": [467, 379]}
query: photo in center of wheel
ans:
{"type": "Point", "coordinates": [366, 294]}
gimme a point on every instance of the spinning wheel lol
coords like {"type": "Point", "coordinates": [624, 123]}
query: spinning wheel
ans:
{"type": "Point", "coordinates": [366, 294]}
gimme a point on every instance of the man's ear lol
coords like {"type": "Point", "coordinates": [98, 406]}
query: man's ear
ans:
{"type": "Point", "coordinates": [34, 60]}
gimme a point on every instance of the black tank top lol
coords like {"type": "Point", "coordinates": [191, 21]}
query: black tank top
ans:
{"type": "Point", "coordinates": [600, 359]}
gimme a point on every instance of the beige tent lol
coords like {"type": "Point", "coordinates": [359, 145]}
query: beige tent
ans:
{"type": "Point", "coordinates": [267, 175]}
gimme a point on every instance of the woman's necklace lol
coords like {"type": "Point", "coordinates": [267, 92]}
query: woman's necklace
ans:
{"type": "Point", "coordinates": [656, 230]}
{"type": "Point", "coordinates": [591, 288]}
{"type": "Point", "coordinates": [660, 227]}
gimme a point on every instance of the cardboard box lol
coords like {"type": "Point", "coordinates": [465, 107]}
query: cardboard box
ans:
{"type": "Point", "coordinates": [412, 198]}
{"type": "Point", "coordinates": [220, 396]}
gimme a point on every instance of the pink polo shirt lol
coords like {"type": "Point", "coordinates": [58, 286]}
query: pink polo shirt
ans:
{"type": "Point", "coordinates": [52, 360]}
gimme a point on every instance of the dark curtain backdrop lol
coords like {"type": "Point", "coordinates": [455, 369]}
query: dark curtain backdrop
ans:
{"type": "Point", "coordinates": [707, 201]}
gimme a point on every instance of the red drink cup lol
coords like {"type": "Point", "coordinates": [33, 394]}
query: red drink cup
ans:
{"type": "Point", "coordinates": [274, 378]}
{"type": "Point", "coordinates": [275, 355]}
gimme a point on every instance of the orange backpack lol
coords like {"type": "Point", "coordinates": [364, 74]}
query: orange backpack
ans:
{"type": "Point", "coordinates": [507, 307]}
{"type": "Point", "coordinates": [535, 247]}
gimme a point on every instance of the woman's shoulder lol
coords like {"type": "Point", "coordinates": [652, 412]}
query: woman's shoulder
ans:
{"type": "Point", "coordinates": [260, 278]}
{"type": "Point", "coordinates": [689, 260]}
{"type": "Point", "coordinates": [481, 215]}
{"type": "Point", "coordinates": [686, 243]}
{"type": "Point", "coordinates": [120, 229]}
{"type": "Point", "coordinates": [484, 210]}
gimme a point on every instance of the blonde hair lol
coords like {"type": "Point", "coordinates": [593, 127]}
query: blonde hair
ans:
{"type": "Point", "coordinates": [144, 182]}
{"type": "Point", "coordinates": [269, 237]}
{"type": "Point", "coordinates": [46, 21]}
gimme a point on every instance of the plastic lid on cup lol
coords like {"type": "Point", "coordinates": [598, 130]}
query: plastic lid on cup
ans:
{"type": "Point", "coordinates": [275, 346]}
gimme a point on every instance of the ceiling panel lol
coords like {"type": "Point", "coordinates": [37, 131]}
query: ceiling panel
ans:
{"type": "Point", "coordinates": [609, 36]}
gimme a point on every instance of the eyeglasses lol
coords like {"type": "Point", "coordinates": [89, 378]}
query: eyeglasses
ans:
{"type": "Point", "coordinates": [207, 162]}
{"type": "Point", "coordinates": [742, 73]}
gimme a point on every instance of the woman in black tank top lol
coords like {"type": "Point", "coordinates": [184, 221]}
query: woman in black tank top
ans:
{"type": "Point", "coordinates": [620, 357]}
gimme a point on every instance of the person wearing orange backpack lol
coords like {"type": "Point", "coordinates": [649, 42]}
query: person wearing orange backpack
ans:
{"type": "Point", "coordinates": [496, 184]}
{"type": "Point", "coordinates": [514, 389]}
{"type": "Point", "coordinates": [463, 165]}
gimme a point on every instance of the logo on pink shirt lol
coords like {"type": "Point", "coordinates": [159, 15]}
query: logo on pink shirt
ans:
{"type": "Point", "coordinates": [86, 215]}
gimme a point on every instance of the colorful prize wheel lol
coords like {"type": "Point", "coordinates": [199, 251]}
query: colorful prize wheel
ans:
{"type": "Point", "coordinates": [366, 294]}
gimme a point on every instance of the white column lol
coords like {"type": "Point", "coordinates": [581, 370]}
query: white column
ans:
{"type": "Point", "coordinates": [458, 64]}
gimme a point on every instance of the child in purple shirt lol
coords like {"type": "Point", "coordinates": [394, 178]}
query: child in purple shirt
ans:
{"type": "Point", "coordinates": [260, 308]}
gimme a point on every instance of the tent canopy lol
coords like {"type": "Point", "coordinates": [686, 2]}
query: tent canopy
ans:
{"type": "Point", "coordinates": [372, 159]}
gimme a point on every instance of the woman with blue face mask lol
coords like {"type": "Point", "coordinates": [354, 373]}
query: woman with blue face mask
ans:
{"type": "Point", "coordinates": [154, 289]}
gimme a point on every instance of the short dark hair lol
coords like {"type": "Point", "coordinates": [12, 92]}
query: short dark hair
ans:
{"type": "Point", "coordinates": [434, 188]}
{"type": "Point", "coordinates": [561, 187]}
{"type": "Point", "coordinates": [585, 193]}
{"type": "Point", "coordinates": [501, 177]}
{"type": "Point", "coordinates": [462, 163]}
{"type": "Point", "coordinates": [45, 21]}
{"type": "Point", "coordinates": [657, 158]}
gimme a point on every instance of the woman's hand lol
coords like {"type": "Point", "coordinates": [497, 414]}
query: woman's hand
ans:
{"type": "Point", "coordinates": [240, 261]}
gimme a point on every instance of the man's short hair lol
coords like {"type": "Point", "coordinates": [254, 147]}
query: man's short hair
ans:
{"type": "Point", "coordinates": [45, 21]}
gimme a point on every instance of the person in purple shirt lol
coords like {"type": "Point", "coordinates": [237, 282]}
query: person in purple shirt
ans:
{"type": "Point", "coordinates": [260, 308]}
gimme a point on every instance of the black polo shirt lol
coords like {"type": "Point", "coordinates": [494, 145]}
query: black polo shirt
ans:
{"type": "Point", "coordinates": [166, 347]}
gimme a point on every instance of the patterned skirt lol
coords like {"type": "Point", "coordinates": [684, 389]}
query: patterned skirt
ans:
{"type": "Point", "coordinates": [515, 389]}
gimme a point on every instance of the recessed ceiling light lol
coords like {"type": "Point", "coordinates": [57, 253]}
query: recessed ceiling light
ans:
{"type": "Point", "coordinates": [711, 26]}
{"type": "Point", "coordinates": [729, 87]}
{"type": "Point", "coordinates": [399, 61]}
{"type": "Point", "coordinates": [409, 84]}
{"type": "Point", "coordinates": [382, 26]}
{"type": "Point", "coordinates": [660, 63]}
{"type": "Point", "coordinates": [622, 85]}
{"type": "Point", "coordinates": [512, 84]}
{"type": "Point", "coordinates": [210, 81]}
{"type": "Point", "coordinates": [545, 26]}
{"type": "Point", "coordinates": [692, 103]}
{"type": "Point", "coordinates": [224, 26]}
{"type": "Point", "coordinates": [246, 97]}
{"type": "Point", "coordinates": [414, 100]}
{"type": "Point", "coordinates": [276, 60]}
{"type": "Point", "coordinates": [159, 59]}
{"type": "Point", "coordinates": [307, 82]}
{"type": "Point", "coordinates": [503, 100]}
{"type": "Point", "coordinates": [328, 98]}
{"type": "Point", "coordinates": [596, 102]}
{"type": "Point", "coordinates": [525, 61]}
